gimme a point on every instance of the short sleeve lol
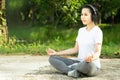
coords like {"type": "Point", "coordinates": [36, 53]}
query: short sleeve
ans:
{"type": "Point", "coordinates": [98, 36]}
{"type": "Point", "coordinates": [78, 35]}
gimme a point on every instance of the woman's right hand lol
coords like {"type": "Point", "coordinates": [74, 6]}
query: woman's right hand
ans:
{"type": "Point", "coordinates": [51, 51]}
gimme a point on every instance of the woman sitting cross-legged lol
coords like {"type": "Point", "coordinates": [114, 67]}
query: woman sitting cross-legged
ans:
{"type": "Point", "coordinates": [88, 46]}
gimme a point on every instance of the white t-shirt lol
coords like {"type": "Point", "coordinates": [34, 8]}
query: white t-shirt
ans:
{"type": "Point", "coordinates": [86, 42]}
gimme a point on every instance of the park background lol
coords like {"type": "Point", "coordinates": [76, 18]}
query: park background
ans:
{"type": "Point", "coordinates": [34, 25]}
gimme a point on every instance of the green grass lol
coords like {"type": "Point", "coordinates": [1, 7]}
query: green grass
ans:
{"type": "Point", "coordinates": [111, 41]}
{"type": "Point", "coordinates": [111, 50]}
{"type": "Point", "coordinates": [35, 40]}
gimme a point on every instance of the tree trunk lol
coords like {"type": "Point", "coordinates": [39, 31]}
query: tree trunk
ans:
{"type": "Point", "coordinates": [3, 25]}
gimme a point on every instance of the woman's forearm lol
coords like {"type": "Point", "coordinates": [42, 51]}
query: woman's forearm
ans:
{"type": "Point", "coordinates": [97, 51]}
{"type": "Point", "coordinates": [67, 52]}
{"type": "Point", "coordinates": [95, 56]}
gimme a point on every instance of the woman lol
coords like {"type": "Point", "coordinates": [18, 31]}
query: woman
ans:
{"type": "Point", "coordinates": [88, 46]}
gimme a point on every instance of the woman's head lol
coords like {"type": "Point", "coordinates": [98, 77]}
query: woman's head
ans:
{"type": "Point", "coordinates": [89, 14]}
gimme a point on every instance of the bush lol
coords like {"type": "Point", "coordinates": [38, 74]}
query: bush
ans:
{"type": "Point", "coordinates": [35, 40]}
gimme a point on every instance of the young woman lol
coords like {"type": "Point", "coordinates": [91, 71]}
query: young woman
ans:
{"type": "Point", "coordinates": [88, 46]}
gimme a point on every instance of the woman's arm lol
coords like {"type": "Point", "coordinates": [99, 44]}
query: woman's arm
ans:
{"type": "Point", "coordinates": [64, 52]}
{"type": "Point", "coordinates": [96, 53]}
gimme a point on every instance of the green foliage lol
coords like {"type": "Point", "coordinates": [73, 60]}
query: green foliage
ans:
{"type": "Point", "coordinates": [42, 34]}
{"type": "Point", "coordinates": [111, 50]}
{"type": "Point", "coordinates": [107, 8]}
{"type": "Point", "coordinates": [15, 4]}
{"type": "Point", "coordinates": [104, 25]}
{"type": "Point", "coordinates": [111, 34]}
{"type": "Point", "coordinates": [111, 38]}
{"type": "Point", "coordinates": [44, 11]}
{"type": "Point", "coordinates": [35, 40]}
{"type": "Point", "coordinates": [2, 20]}
{"type": "Point", "coordinates": [111, 7]}
{"type": "Point", "coordinates": [55, 12]}
{"type": "Point", "coordinates": [71, 11]}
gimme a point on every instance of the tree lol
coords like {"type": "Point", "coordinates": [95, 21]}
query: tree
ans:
{"type": "Point", "coordinates": [107, 8]}
{"type": "Point", "coordinates": [3, 25]}
{"type": "Point", "coordinates": [70, 9]}
{"type": "Point", "coordinates": [57, 12]}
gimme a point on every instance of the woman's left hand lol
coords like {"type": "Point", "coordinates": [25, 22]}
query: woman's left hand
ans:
{"type": "Point", "coordinates": [89, 59]}
{"type": "Point", "coordinates": [51, 51]}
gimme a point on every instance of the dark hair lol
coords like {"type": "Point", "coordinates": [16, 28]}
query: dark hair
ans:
{"type": "Point", "coordinates": [94, 12]}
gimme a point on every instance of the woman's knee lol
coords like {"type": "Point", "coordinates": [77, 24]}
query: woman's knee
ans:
{"type": "Point", "coordinates": [89, 69]}
{"type": "Point", "coordinates": [53, 58]}
{"type": "Point", "coordinates": [93, 70]}
{"type": "Point", "coordinates": [93, 73]}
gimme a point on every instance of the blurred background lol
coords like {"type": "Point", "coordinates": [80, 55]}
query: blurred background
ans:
{"type": "Point", "coordinates": [31, 26]}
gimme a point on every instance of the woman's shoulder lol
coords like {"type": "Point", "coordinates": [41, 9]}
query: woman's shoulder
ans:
{"type": "Point", "coordinates": [97, 28]}
{"type": "Point", "coordinates": [82, 28]}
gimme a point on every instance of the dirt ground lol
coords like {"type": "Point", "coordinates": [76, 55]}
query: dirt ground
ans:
{"type": "Point", "coordinates": [38, 68]}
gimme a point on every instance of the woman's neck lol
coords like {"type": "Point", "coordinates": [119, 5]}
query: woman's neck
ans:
{"type": "Point", "coordinates": [90, 26]}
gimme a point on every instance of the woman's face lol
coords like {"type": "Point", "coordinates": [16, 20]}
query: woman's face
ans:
{"type": "Point", "coordinates": [86, 16]}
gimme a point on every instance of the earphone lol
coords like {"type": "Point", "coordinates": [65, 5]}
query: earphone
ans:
{"type": "Point", "coordinates": [92, 8]}
{"type": "Point", "coordinates": [94, 15]}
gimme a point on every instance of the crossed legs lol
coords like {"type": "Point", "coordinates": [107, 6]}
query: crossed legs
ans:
{"type": "Point", "coordinates": [66, 65]}
{"type": "Point", "coordinates": [61, 63]}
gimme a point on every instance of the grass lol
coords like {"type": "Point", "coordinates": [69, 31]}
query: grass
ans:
{"type": "Point", "coordinates": [35, 40]}
{"type": "Point", "coordinates": [111, 41]}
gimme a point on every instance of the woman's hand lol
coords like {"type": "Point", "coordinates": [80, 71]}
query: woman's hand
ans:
{"type": "Point", "coordinates": [51, 51]}
{"type": "Point", "coordinates": [89, 59]}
